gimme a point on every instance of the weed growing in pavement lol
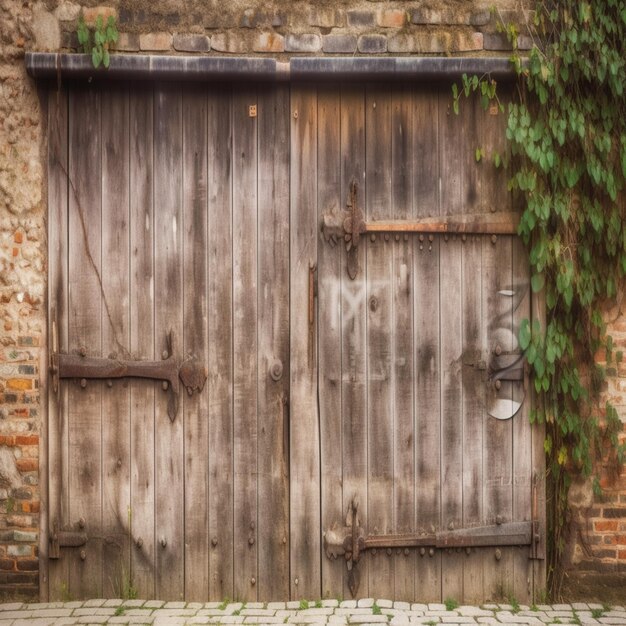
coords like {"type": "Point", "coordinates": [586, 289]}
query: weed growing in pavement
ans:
{"type": "Point", "coordinates": [120, 610]}
{"type": "Point", "coordinates": [376, 609]}
{"type": "Point", "coordinates": [451, 604]}
{"type": "Point", "coordinates": [304, 604]}
{"type": "Point", "coordinates": [596, 613]}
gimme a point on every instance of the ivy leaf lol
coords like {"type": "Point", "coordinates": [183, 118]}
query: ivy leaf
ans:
{"type": "Point", "coordinates": [537, 282]}
{"type": "Point", "coordinates": [524, 334]}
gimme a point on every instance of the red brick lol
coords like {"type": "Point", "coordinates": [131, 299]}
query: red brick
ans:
{"type": "Point", "coordinates": [605, 526]}
{"type": "Point", "coordinates": [621, 555]}
{"type": "Point", "coordinates": [15, 251]}
{"type": "Point", "coordinates": [27, 465]}
{"type": "Point", "coordinates": [28, 565]}
{"type": "Point", "coordinates": [91, 14]}
{"type": "Point", "coordinates": [27, 440]}
{"type": "Point", "coordinates": [621, 539]}
{"type": "Point", "coordinates": [392, 18]}
{"type": "Point", "coordinates": [20, 384]}
{"type": "Point", "coordinates": [269, 42]}
{"type": "Point", "coordinates": [18, 237]}
{"type": "Point", "coordinates": [7, 440]}
{"type": "Point", "coordinates": [7, 565]}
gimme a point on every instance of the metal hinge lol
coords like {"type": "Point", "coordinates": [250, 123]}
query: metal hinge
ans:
{"type": "Point", "coordinates": [66, 538]}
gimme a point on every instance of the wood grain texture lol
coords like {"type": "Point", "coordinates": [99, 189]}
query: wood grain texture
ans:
{"type": "Point", "coordinates": [57, 435]}
{"type": "Point", "coordinates": [220, 329]}
{"type": "Point", "coordinates": [329, 266]}
{"type": "Point", "coordinates": [142, 436]}
{"type": "Point", "coordinates": [273, 328]}
{"type": "Point", "coordinates": [426, 331]}
{"type": "Point", "coordinates": [168, 282]}
{"type": "Point", "coordinates": [85, 312]}
{"type": "Point", "coordinates": [116, 464]}
{"type": "Point", "coordinates": [404, 439]}
{"type": "Point", "coordinates": [354, 326]}
{"type": "Point", "coordinates": [245, 344]}
{"type": "Point", "coordinates": [303, 410]}
{"type": "Point", "coordinates": [379, 515]}
{"type": "Point", "coordinates": [194, 408]}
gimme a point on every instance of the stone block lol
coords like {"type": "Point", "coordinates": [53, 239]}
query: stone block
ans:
{"type": "Point", "coordinates": [269, 42]}
{"type": "Point", "coordinates": [480, 17]}
{"type": "Point", "coordinates": [426, 15]}
{"type": "Point", "coordinates": [155, 42]}
{"type": "Point", "coordinates": [46, 29]}
{"type": "Point", "coordinates": [67, 11]}
{"type": "Point", "coordinates": [361, 19]}
{"type": "Point", "coordinates": [304, 42]}
{"type": "Point", "coordinates": [227, 42]}
{"type": "Point", "coordinates": [326, 17]}
{"type": "Point", "coordinates": [392, 18]}
{"type": "Point", "coordinates": [339, 44]}
{"type": "Point", "coordinates": [372, 44]}
{"type": "Point", "coordinates": [191, 43]}
{"type": "Point", "coordinates": [91, 14]}
{"type": "Point", "coordinates": [127, 42]}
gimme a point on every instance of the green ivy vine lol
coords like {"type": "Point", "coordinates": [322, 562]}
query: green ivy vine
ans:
{"type": "Point", "coordinates": [567, 160]}
{"type": "Point", "coordinates": [97, 43]}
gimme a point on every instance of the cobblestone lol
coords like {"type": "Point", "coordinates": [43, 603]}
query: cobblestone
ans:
{"type": "Point", "coordinates": [326, 613]}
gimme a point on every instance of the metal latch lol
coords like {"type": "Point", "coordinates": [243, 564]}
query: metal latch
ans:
{"type": "Point", "coordinates": [65, 538]}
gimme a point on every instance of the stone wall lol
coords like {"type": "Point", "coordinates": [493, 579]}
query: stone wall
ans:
{"type": "Point", "coordinates": [279, 28]}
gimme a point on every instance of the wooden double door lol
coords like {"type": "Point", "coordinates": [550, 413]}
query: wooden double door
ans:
{"type": "Point", "coordinates": [188, 220]}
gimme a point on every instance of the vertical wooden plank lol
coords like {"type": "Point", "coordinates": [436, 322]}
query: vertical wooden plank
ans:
{"type": "Point", "coordinates": [353, 324]}
{"type": "Point", "coordinates": [168, 285]}
{"type": "Point", "coordinates": [329, 357]}
{"type": "Point", "coordinates": [450, 294]}
{"type": "Point", "coordinates": [304, 425]}
{"type": "Point", "coordinates": [245, 342]}
{"type": "Point", "coordinates": [426, 322]}
{"type": "Point", "coordinates": [220, 357]}
{"type": "Point", "coordinates": [497, 434]}
{"type": "Point", "coordinates": [194, 412]}
{"type": "Point", "coordinates": [273, 357]}
{"type": "Point", "coordinates": [57, 436]}
{"type": "Point", "coordinates": [142, 393]}
{"type": "Point", "coordinates": [115, 340]}
{"type": "Point", "coordinates": [84, 333]}
{"type": "Point", "coordinates": [473, 351]}
{"type": "Point", "coordinates": [379, 295]}
{"type": "Point", "coordinates": [402, 335]}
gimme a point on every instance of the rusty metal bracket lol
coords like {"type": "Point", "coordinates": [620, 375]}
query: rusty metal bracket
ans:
{"type": "Point", "coordinates": [348, 225]}
{"type": "Point", "coordinates": [190, 371]}
{"type": "Point", "coordinates": [65, 538]}
{"type": "Point", "coordinates": [350, 541]}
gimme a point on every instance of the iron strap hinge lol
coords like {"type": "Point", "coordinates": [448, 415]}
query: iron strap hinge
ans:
{"type": "Point", "coordinates": [65, 538]}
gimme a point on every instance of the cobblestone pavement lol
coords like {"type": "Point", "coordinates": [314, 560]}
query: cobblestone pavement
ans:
{"type": "Point", "coordinates": [328, 612]}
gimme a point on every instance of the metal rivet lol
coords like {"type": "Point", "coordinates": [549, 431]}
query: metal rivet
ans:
{"type": "Point", "coordinates": [83, 382]}
{"type": "Point", "coordinates": [214, 541]}
{"type": "Point", "coordinates": [139, 542]}
{"type": "Point", "coordinates": [373, 105]}
{"type": "Point", "coordinates": [251, 541]}
{"type": "Point", "coordinates": [463, 237]}
{"type": "Point", "coordinates": [398, 551]}
{"type": "Point", "coordinates": [164, 354]}
{"type": "Point", "coordinates": [163, 542]}
{"type": "Point", "coordinates": [497, 350]}
{"type": "Point", "coordinates": [421, 237]}
{"type": "Point", "coordinates": [388, 551]}
{"type": "Point", "coordinates": [431, 552]}
{"type": "Point", "coordinates": [374, 550]}
{"type": "Point", "coordinates": [430, 238]}
{"type": "Point", "coordinates": [421, 247]}
{"type": "Point", "coordinates": [445, 237]}
{"type": "Point", "coordinates": [109, 384]}
{"type": "Point", "coordinates": [430, 247]}
{"type": "Point", "coordinates": [82, 351]}
{"type": "Point", "coordinates": [422, 551]}
{"type": "Point", "coordinates": [451, 526]}
{"type": "Point", "coordinates": [372, 237]}
{"type": "Point", "coordinates": [499, 519]}
{"type": "Point", "coordinates": [164, 385]}
{"type": "Point", "coordinates": [386, 236]}
{"type": "Point", "coordinates": [493, 208]}
{"type": "Point", "coordinates": [397, 237]}
{"type": "Point", "coordinates": [81, 522]}
{"type": "Point", "coordinates": [494, 239]}
{"type": "Point", "coordinates": [406, 552]}
{"type": "Point", "coordinates": [498, 554]}
{"type": "Point", "coordinates": [296, 581]}
{"type": "Point", "coordinates": [253, 581]}
{"type": "Point", "coordinates": [252, 525]}
{"type": "Point", "coordinates": [498, 384]}
{"type": "Point", "coordinates": [83, 555]}
{"type": "Point", "coordinates": [468, 551]}
{"type": "Point", "coordinates": [119, 462]}
{"type": "Point", "coordinates": [284, 540]}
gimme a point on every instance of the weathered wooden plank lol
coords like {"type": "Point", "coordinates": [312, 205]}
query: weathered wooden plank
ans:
{"type": "Point", "coordinates": [142, 341]}
{"type": "Point", "coordinates": [451, 146]}
{"type": "Point", "coordinates": [115, 340]}
{"type": "Point", "coordinates": [245, 343]}
{"type": "Point", "coordinates": [273, 325]}
{"type": "Point", "coordinates": [329, 341]}
{"type": "Point", "coordinates": [522, 432]}
{"type": "Point", "coordinates": [195, 341]}
{"type": "Point", "coordinates": [497, 434]}
{"type": "Point", "coordinates": [474, 201]}
{"type": "Point", "coordinates": [402, 329]}
{"type": "Point", "coordinates": [304, 425]}
{"type": "Point", "coordinates": [168, 283]}
{"type": "Point", "coordinates": [84, 333]}
{"type": "Point", "coordinates": [220, 311]}
{"type": "Point", "coordinates": [379, 515]}
{"type": "Point", "coordinates": [427, 396]}
{"type": "Point", "coordinates": [353, 324]}
{"type": "Point", "coordinates": [57, 431]}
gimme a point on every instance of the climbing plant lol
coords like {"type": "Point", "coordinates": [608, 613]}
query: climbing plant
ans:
{"type": "Point", "coordinates": [98, 42]}
{"type": "Point", "coordinates": [566, 158]}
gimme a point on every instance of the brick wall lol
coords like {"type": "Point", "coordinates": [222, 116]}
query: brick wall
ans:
{"type": "Point", "coordinates": [243, 27]}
